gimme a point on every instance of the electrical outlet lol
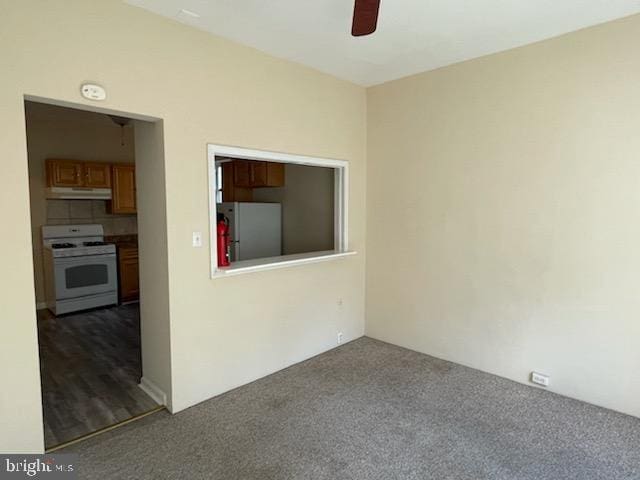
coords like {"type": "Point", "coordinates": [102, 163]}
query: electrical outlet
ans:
{"type": "Point", "coordinates": [339, 338]}
{"type": "Point", "coordinates": [540, 379]}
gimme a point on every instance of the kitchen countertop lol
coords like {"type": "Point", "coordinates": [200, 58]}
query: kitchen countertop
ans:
{"type": "Point", "coordinates": [122, 241]}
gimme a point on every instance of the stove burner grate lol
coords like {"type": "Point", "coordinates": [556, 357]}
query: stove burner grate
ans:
{"type": "Point", "coordinates": [62, 245]}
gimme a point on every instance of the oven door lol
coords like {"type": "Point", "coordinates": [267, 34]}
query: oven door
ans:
{"type": "Point", "coordinates": [82, 276]}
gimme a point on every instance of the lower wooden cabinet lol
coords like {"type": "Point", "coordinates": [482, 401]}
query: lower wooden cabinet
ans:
{"type": "Point", "coordinates": [128, 273]}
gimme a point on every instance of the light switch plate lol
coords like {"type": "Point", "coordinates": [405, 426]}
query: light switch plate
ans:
{"type": "Point", "coordinates": [197, 239]}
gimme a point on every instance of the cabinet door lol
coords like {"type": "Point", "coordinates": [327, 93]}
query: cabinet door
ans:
{"type": "Point", "coordinates": [64, 173]}
{"type": "Point", "coordinates": [129, 283]}
{"type": "Point", "coordinates": [97, 175]}
{"type": "Point", "coordinates": [124, 189]}
{"type": "Point", "coordinates": [242, 173]}
{"type": "Point", "coordinates": [230, 191]}
{"type": "Point", "coordinates": [267, 174]}
{"type": "Point", "coordinates": [258, 174]}
{"type": "Point", "coordinates": [275, 174]}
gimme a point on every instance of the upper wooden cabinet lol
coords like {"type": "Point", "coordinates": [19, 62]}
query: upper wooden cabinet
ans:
{"type": "Point", "coordinates": [240, 177]}
{"type": "Point", "coordinates": [274, 175]}
{"type": "Point", "coordinates": [123, 189]}
{"type": "Point", "coordinates": [74, 173]}
{"type": "Point", "coordinates": [120, 178]}
{"type": "Point", "coordinates": [64, 173]}
{"type": "Point", "coordinates": [230, 191]}
{"type": "Point", "coordinates": [242, 173]}
{"type": "Point", "coordinates": [253, 174]}
{"type": "Point", "coordinates": [259, 174]}
{"type": "Point", "coordinates": [97, 175]}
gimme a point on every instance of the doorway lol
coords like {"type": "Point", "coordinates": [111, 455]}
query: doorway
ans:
{"type": "Point", "coordinates": [86, 255]}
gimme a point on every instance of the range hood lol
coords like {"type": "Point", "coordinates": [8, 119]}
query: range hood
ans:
{"type": "Point", "coordinates": [78, 193]}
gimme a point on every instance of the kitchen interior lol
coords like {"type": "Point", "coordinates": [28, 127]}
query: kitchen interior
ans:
{"type": "Point", "coordinates": [85, 252]}
{"type": "Point", "coordinates": [271, 209]}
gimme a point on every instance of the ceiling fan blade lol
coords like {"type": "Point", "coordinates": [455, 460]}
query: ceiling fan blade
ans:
{"type": "Point", "coordinates": [365, 17]}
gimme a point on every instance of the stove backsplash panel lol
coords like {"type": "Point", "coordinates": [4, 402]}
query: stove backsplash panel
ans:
{"type": "Point", "coordinates": [70, 212]}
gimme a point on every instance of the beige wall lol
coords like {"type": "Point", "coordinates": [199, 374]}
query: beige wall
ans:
{"type": "Point", "coordinates": [307, 208]}
{"type": "Point", "coordinates": [56, 132]}
{"type": "Point", "coordinates": [504, 213]}
{"type": "Point", "coordinates": [206, 90]}
{"type": "Point", "coordinates": [155, 315]}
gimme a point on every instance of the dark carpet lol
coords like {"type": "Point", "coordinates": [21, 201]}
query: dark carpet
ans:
{"type": "Point", "coordinates": [370, 410]}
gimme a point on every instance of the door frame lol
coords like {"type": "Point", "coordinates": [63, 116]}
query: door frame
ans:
{"type": "Point", "coordinates": [161, 393]}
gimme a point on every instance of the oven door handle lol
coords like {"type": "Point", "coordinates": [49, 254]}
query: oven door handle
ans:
{"type": "Point", "coordinates": [83, 259]}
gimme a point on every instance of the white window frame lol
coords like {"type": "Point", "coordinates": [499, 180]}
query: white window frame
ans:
{"type": "Point", "coordinates": [341, 210]}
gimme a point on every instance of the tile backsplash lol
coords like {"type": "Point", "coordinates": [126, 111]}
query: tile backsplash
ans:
{"type": "Point", "coordinates": [68, 212]}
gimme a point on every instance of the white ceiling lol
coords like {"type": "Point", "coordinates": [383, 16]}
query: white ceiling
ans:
{"type": "Point", "coordinates": [413, 35]}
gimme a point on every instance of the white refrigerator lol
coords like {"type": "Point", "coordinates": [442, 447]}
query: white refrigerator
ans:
{"type": "Point", "coordinates": [255, 229]}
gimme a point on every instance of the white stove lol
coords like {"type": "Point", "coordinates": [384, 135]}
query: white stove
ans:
{"type": "Point", "coordinates": [80, 268]}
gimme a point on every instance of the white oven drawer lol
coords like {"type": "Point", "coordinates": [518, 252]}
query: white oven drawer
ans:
{"type": "Point", "coordinates": [88, 275]}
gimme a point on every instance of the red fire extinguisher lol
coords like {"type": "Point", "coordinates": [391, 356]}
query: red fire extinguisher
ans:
{"type": "Point", "coordinates": [223, 241]}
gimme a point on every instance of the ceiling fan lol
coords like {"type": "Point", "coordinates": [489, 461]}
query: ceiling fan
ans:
{"type": "Point", "coordinates": [365, 17]}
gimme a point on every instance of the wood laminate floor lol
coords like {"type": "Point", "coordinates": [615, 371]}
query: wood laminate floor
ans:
{"type": "Point", "coordinates": [90, 366]}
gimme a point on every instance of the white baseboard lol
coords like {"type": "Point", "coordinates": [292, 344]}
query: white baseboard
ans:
{"type": "Point", "coordinates": [153, 391]}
